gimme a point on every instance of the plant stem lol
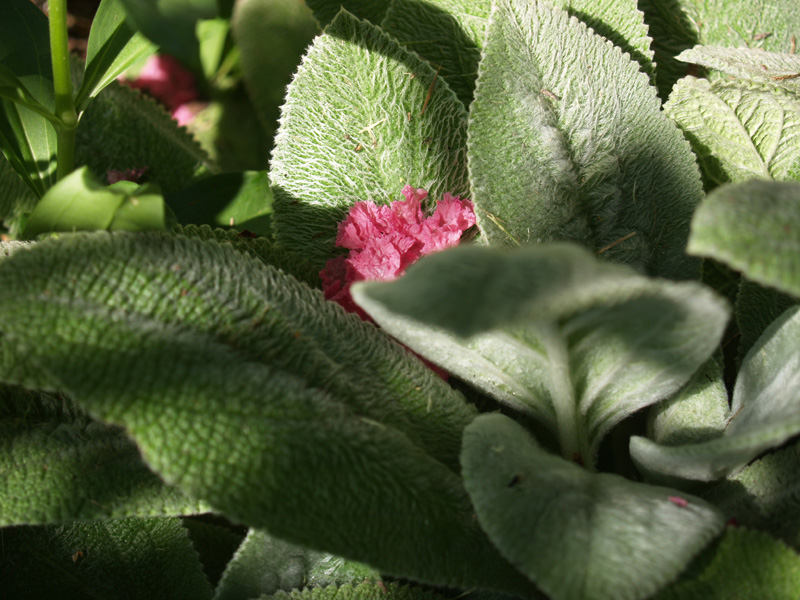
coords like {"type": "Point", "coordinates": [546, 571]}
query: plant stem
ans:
{"type": "Point", "coordinates": [62, 83]}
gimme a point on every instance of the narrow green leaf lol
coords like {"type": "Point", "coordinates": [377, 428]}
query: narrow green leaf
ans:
{"type": "Point", "coordinates": [738, 130]}
{"type": "Point", "coordinates": [27, 139]}
{"type": "Point", "coordinates": [765, 412]}
{"type": "Point", "coordinates": [58, 465]}
{"type": "Point", "coordinates": [113, 47]}
{"type": "Point", "coordinates": [371, 10]}
{"type": "Point", "coordinates": [745, 564]}
{"type": "Point", "coordinates": [755, 228]}
{"type": "Point", "coordinates": [16, 198]}
{"type": "Point", "coordinates": [765, 495]}
{"type": "Point", "coordinates": [171, 25]}
{"type": "Point", "coordinates": [567, 141]}
{"type": "Point", "coordinates": [242, 200]}
{"type": "Point", "coordinates": [290, 28]}
{"type": "Point", "coordinates": [233, 378]}
{"type": "Point", "coordinates": [11, 88]}
{"type": "Point", "coordinates": [698, 412]}
{"type": "Point", "coordinates": [371, 118]}
{"type": "Point", "coordinates": [81, 203]}
{"type": "Point", "coordinates": [578, 535]}
{"type": "Point", "coordinates": [133, 558]}
{"type": "Point", "coordinates": [776, 68]}
{"type": "Point", "coordinates": [263, 565]}
{"type": "Point", "coordinates": [576, 343]}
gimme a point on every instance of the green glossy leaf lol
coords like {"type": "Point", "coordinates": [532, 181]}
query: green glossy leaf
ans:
{"type": "Point", "coordinates": [698, 412]}
{"type": "Point", "coordinates": [242, 200]}
{"type": "Point", "coordinates": [776, 68]}
{"type": "Point", "coordinates": [58, 465]}
{"type": "Point", "coordinates": [567, 142]}
{"type": "Point", "coordinates": [11, 88]}
{"type": "Point", "coordinates": [113, 47]}
{"type": "Point", "coordinates": [263, 565]}
{"type": "Point", "coordinates": [290, 27]}
{"type": "Point", "coordinates": [80, 203]}
{"type": "Point", "coordinates": [451, 33]}
{"type": "Point", "coordinates": [122, 129]}
{"type": "Point", "coordinates": [575, 343]}
{"type": "Point", "coordinates": [764, 412]}
{"type": "Point", "coordinates": [756, 307]}
{"type": "Point", "coordinates": [171, 25]}
{"type": "Point", "coordinates": [578, 535]}
{"type": "Point", "coordinates": [27, 139]}
{"type": "Point", "coordinates": [738, 130]}
{"type": "Point", "coordinates": [755, 228]}
{"type": "Point", "coordinates": [765, 495]}
{"type": "Point", "coordinates": [371, 10]}
{"type": "Point", "coordinates": [132, 558]}
{"type": "Point", "coordinates": [16, 198]}
{"type": "Point", "coordinates": [371, 118]}
{"type": "Point", "coordinates": [745, 564]}
{"type": "Point", "coordinates": [233, 378]}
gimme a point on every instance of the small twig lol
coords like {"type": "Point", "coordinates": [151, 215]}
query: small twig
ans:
{"type": "Point", "coordinates": [430, 92]}
{"type": "Point", "coordinates": [619, 241]}
{"type": "Point", "coordinates": [785, 77]}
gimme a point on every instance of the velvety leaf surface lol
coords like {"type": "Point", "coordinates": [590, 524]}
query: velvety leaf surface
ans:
{"type": "Point", "coordinates": [451, 34]}
{"type": "Point", "coordinates": [362, 119]}
{"type": "Point", "coordinates": [755, 228]}
{"type": "Point", "coordinates": [215, 544]}
{"type": "Point", "coordinates": [527, 327]}
{"type": "Point", "coordinates": [263, 565]}
{"type": "Point", "coordinates": [362, 591]}
{"type": "Point", "coordinates": [58, 465]}
{"type": "Point", "coordinates": [738, 130]}
{"type": "Point", "coordinates": [756, 307]}
{"type": "Point", "coordinates": [371, 10]}
{"type": "Point", "coordinates": [776, 68]}
{"type": "Point", "coordinates": [290, 28]}
{"type": "Point", "coordinates": [234, 378]}
{"type": "Point", "coordinates": [765, 24]}
{"type": "Point", "coordinates": [113, 47]}
{"type": "Point", "coordinates": [745, 564]}
{"type": "Point", "coordinates": [27, 139]}
{"type": "Point", "coordinates": [133, 558]}
{"type": "Point", "coordinates": [764, 412]}
{"type": "Point", "coordinates": [698, 412]}
{"type": "Point", "coordinates": [765, 495]}
{"type": "Point", "coordinates": [122, 129]}
{"type": "Point", "coordinates": [578, 534]}
{"type": "Point", "coordinates": [567, 141]}
{"type": "Point", "coordinates": [259, 247]}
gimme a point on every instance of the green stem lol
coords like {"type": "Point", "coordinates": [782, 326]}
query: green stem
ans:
{"type": "Point", "coordinates": [572, 437]}
{"type": "Point", "coordinates": [62, 83]}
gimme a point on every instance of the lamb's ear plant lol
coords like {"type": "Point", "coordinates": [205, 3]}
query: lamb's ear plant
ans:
{"type": "Point", "coordinates": [560, 408]}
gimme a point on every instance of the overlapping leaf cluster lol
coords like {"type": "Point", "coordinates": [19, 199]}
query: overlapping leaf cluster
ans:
{"type": "Point", "coordinates": [585, 445]}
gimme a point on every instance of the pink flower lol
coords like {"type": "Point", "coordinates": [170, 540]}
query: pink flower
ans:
{"type": "Point", "coordinates": [164, 78]}
{"type": "Point", "coordinates": [384, 240]}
